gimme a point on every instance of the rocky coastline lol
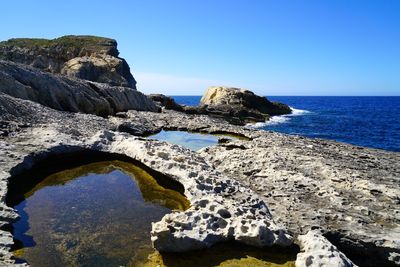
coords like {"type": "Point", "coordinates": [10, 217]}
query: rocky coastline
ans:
{"type": "Point", "coordinates": [335, 201]}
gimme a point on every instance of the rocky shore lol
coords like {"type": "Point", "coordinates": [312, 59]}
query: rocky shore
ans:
{"type": "Point", "coordinates": [235, 105]}
{"type": "Point", "coordinates": [336, 201]}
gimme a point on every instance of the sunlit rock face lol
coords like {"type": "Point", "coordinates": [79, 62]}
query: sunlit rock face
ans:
{"type": "Point", "coordinates": [241, 104]}
{"type": "Point", "coordinates": [316, 250]}
{"type": "Point", "coordinates": [93, 215]}
{"type": "Point", "coordinates": [69, 94]}
{"type": "Point", "coordinates": [306, 183]}
{"type": "Point", "coordinates": [87, 57]}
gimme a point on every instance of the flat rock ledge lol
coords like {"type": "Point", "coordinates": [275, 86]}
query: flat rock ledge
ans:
{"type": "Point", "coordinates": [221, 208]}
{"type": "Point", "coordinates": [350, 193]}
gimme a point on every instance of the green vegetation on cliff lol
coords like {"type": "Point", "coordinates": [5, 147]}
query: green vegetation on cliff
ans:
{"type": "Point", "coordinates": [68, 40]}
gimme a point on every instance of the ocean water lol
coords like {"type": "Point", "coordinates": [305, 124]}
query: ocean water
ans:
{"type": "Point", "coordinates": [364, 121]}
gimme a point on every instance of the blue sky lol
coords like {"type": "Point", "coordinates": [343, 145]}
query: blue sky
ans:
{"type": "Point", "coordinates": [282, 47]}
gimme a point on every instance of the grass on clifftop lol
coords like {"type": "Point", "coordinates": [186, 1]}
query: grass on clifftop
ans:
{"type": "Point", "coordinates": [66, 41]}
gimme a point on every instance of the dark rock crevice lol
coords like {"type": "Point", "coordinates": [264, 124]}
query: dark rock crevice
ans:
{"type": "Point", "coordinates": [361, 252]}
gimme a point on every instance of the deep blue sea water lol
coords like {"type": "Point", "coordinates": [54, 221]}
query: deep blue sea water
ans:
{"type": "Point", "coordinates": [364, 121]}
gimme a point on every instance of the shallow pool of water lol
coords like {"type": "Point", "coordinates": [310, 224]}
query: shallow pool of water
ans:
{"type": "Point", "coordinates": [99, 214]}
{"type": "Point", "coordinates": [230, 254]}
{"type": "Point", "coordinates": [193, 141]}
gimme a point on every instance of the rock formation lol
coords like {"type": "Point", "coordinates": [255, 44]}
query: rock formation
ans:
{"type": "Point", "coordinates": [261, 191]}
{"type": "Point", "coordinates": [299, 183]}
{"type": "Point", "coordinates": [166, 101]}
{"type": "Point", "coordinates": [86, 57]}
{"type": "Point", "coordinates": [318, 251]}
{"type": "Point", "coordinates": [241, 103]}
{"type": "Point", "coordinates": [69, 94]}
{"type": "Point", "coordinates": [237, 106]}
{"type": "Point", "coordinates": [221, 209]}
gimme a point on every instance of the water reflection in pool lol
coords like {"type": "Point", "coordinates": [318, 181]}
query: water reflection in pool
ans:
{"type": "Point", "coordinates": [95, 215]}
{"type": "Point", "coordinates": [193, 141]}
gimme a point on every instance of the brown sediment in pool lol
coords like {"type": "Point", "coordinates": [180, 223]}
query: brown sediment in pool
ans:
{"type": "Point", "coordinates": [230, 254]}
{"type": "Point", "coordinates": [100, 214]}
{"type": "Point", "coordinates": [97, 214]}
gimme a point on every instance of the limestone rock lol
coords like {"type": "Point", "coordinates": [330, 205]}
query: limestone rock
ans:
{"type": "Point", "coordinates": [69, 94]}
{"type": "Point", "coordinates": [304, 183]}
{"type": "Point", "coordinates": [166, 101]}
{"type": "Point", "coordinates": [237, 106]}
{"type": "Point", "coordinates": [86, 57]}
{"type": "Point", "coordinates": [317, 251]}
{"type": "Point", "coordinates": [314, 183]}
{"type": "Point", "coordinates": [241, 103]}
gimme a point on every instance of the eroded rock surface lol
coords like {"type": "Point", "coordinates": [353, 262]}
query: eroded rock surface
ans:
{"type": "Point", "coordinates": [317, 251]}
{"type": "Point", "coordinates": [166, 102]}
{"type": "Point", "coordinates": [221, 208]}
{"type": "Point", "coordinates": [350, 193]}
{"type": "Point", "coordinates": [86, 57]}
{"type": "Point", "coordinates": [69, 94]}
{"type": "Point", "coordinates": [241, 103]}
{"type": "Point", "coordinates": [234, 105]}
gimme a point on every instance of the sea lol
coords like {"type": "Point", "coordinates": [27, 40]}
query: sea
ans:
{"type": "Point", "coordinates": [368, 121]}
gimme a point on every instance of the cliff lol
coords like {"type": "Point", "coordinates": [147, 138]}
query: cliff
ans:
{"type": "Point", "coordinates": [69, 94]}
{"type": "Point", "coordinates": [87, 57]}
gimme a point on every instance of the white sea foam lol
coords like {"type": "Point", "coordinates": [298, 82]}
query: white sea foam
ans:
{"type": "Point", "coordinates": [297, 112]}
{"type": "Point", "coordinates": [274, 120]}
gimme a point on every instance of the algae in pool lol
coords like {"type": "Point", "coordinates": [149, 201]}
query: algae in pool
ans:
{"type": "Point", "coordinates": [95, 215]}
{"type": "Point", "coordinates": [100, 214]}
{"type": "Point", "coordinates": [193, 141]}
{"type": "Point", "coordinates": [230, 254]}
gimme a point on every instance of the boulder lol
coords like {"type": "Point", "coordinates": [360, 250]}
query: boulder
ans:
{"type": "Point", "coordinates": [86, 57]}
{"type": "Point", "coordinates": [241, 104]}
{"type": "Point", "coordinates": [69, 94]}
{"type": "Point", "coordinates": [166, 102]}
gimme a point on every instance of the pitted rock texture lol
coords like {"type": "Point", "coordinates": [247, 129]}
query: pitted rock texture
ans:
{"type": "Point", "coordinates": [69, 94]}
{"type": "Point", "coordinates": [306, 183]}
{"type": "Point", "coordinates": [86, 57]}
{"type": "Point", "coordinates": [312, 183]}
{"type": "Point", "coordinates": [221, 208]}
{"type": "Point", "coordinates": [317, 251]}
{"type": "Point", "coordinates": [347, 191]}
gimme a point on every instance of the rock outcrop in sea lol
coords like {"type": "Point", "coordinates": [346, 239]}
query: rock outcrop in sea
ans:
{"type": "Point", "coordinates": [242, 103]}
{"type": "Point", "coordinates": [337, 201]}
{"type": "Point", "coordinates": [235, 105]}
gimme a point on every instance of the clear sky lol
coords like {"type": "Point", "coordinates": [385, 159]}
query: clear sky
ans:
{"type": "Point", "coordinates": [281, 47]}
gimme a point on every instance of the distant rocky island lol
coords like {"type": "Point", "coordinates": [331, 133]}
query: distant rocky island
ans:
{"type": "Point", "coordinates": [334, 204]}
